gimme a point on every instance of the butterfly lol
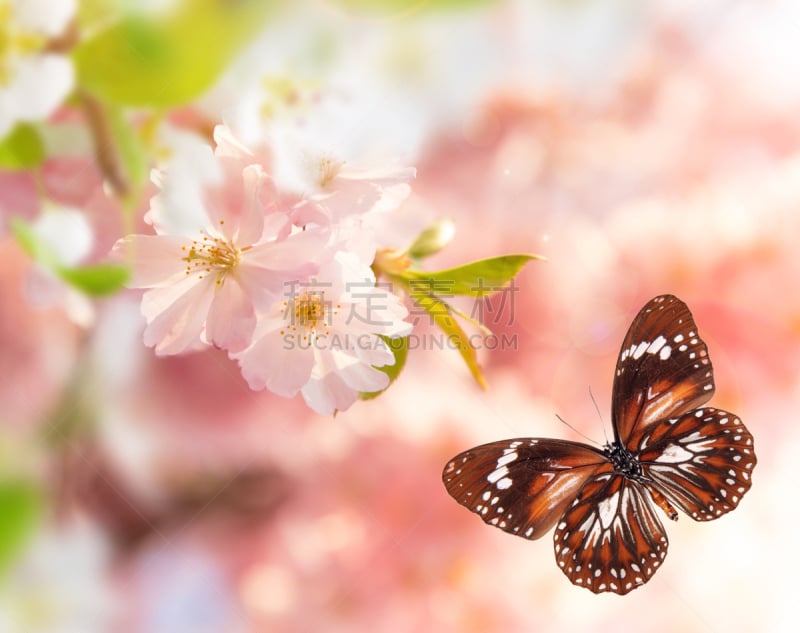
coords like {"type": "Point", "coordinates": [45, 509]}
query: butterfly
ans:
{"type": "Point", "coordinates": [668, 451]}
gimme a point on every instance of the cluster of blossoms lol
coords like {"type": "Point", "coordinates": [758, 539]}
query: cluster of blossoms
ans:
{"type": "Point", "coordinates": [35, 76]}
{"type": "Point", "coordinates": [279, 278]}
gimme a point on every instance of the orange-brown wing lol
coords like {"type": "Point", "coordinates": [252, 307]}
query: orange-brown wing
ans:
{"type": "Point", "coordinates": [702, 461]}
{"type": "Point", "coordinates": [523, 485]}
{"type": "Point", "coordinates": [663, 370]}
{"type": "Point", "coordinates": [610, 538]}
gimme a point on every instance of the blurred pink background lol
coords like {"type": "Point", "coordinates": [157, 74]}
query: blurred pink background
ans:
{"type": "Point", "coordinates": [643, 148]}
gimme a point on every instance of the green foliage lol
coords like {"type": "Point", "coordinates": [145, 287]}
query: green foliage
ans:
{"type": "Point", "coordinates": [477, 279]}
{"type": "Point", "coordinates": [442, 315]}
{"type": "Point", "coordinates": [21, 507]}
{"type": "Point", "coordinates": [428, 289]}
{"type": "Point", "coordinates": [98, 280]}
{"type": "Point", "coordinates": [399, 347]}
{"type": "Point", "coordinates": [22, 148]}
{"type": "Point", "coordinates": [167, 60]}
{"type": "Point", "coordinates": [27, 239]}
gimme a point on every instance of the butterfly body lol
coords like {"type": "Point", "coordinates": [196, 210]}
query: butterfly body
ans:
{"type": "Point", "coordinates": [667, 451]}
{"type": "Point", "coordinates": [625, 463]}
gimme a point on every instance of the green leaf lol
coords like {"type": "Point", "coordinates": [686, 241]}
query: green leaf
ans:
{"type": "Point", "coordinates": [29, 242]}
{"type": "Point", "coordinates": [97, 280]}
{"type": "Point", "coordinates": [22, 148]}
{"type": "Point", "coordinates": [432, 239]}
{"type": "Point", "coordinates": [442, 316]}
{"type": "Point", "coordinates": [478, 279]}
{"type": "Point", "coordinates": [21, 507]}
{"type": "Point", "coordinates": [399, 347]}
{"type": "Point", "coordinates": [150, 60]}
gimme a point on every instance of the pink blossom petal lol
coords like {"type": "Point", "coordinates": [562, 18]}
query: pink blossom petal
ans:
{"type": "Point", "coordinates": [336, 390]}
{"type": "Point", "coordinates": [231, 318]}
{"type": "Point", "coordinates": [251, 225]}
{"type": "Point", "coordinates": [385, 177]}
{"type": "Point", "coordinates": [376, 311]}
{"type": "Point", "coordinates": [351, 197]}
{"type": "Point", "coordinates": [362, 191]}
{"type": "Point", "coordinates": [180, 206]}
{"type": "Point", "coordinates": [295, 253]}
{"type": "Point", "coordinates": [229, 146]}
{"type": "Point", "coordinates": [328, 394]}
{"type": "Point", "coordinates": [360, 377]}
{"type": "Point", "coordinates": [355, 375]}
{"type": "Point", "coordinates": [277, 226]}
{"type": "Point", "coordinates": [234, 207]}
{"type": "Point", "coordinates": [176, 315]}
{"type": "Point", "coordinates": [374, 352]}
{"type": "Point", "coordinates": [155, 260]}
{"type": "Point", "coordinates": [351, 234]}
{"type": "Point", "coordinates": [276, 364]}
{"type": "Point", "coordinates": [392, 197]}
{"type": "Point", "coordinates": [345, 274]}
{"type": "Point", "coordinates": [262, 286]}
{"type": "Point", "coordinates": [311, 212]}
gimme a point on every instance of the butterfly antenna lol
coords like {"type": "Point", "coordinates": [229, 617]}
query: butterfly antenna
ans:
{"type": "Point", "coordinates": [586, 437]}
{"type": "Point", "coordinates": [599, 415]}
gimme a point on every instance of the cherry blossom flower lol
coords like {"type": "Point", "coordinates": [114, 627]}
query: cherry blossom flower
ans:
{"type": "Point", "coordinates": [216, 254]}
{"type": "Point", "coordinates": [33, 81]}
{"type": "Point", "coordinates": [318, 158]}
{"type": "Point", "coordinates": [332, 192]}
{"type": "Point", "coordinates": [323, 337]}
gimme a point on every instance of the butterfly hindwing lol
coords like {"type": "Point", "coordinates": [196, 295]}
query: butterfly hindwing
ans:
{"type": "Point", "coordinates": [702, 461]}
{"type": "Point", "coordinates": [663, 369]}
{"type": "Point", "coordinates": [521, 486]}
{"type": "Point", "coordinates": [610, 538]}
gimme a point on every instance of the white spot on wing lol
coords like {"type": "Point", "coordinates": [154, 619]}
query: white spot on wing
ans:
{"type": "Point", "coordinates": [507, 458]}
{"type": "Point", "coordinates": [496, 474]}
{"type": "Point", "coordinates": [656, 345]}
{"type": "Point", "coordinates": [607, 509]}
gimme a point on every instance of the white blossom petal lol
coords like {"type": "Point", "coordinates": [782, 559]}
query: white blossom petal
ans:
{"type": "Point", "coordinates": [48, 17]}
{"type": "Point", "coordinates": [39, 85]}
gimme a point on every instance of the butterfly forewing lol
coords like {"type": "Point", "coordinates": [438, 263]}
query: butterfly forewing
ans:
{"type": "Point", "coordinates": [663, 369]}
{"type": "Point", "coordinates": [521, 486]}
{"type": "Point", "coordinates": [610, 538]}
{"type": "Point", "coordinates": [702, 461]}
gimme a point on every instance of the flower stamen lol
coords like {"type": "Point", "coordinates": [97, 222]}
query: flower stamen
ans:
{"type": "Point", "coordinates": [309, 316]}
{"type": "Point", "coordinates": [328, 170]}
{"type": "Point", "coordinates": [14, 42]}
{"type": "Point", "coordinates": [210, 255]}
